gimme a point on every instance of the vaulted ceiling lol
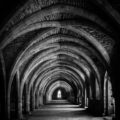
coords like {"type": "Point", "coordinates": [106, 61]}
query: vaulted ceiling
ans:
{"type": "Point", "coordinates": [51, 40]}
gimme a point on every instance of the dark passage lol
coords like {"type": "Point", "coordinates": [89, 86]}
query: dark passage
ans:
{"type": "Point", "coordinates": [63, 110]}
{"type": "Point", "coordinates": [60, 59]}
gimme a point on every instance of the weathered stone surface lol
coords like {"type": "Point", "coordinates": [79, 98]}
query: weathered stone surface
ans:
{"type": "Point", "coordinates": [106, 41]}
{"type": "Point", "coordinates": [12, 50]}
{"type": "Point", "coordinates": [36, 5]}
{"type": "Point", "coordinates": [48, 40]}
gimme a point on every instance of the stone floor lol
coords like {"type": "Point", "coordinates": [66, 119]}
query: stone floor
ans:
{"type": "Point", "coordinates": [63, 112]}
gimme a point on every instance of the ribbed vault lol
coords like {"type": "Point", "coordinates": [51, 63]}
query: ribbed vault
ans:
{"type": "Point", "coordinates": [56, 43]}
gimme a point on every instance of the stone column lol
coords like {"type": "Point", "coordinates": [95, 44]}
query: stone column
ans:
{"type": "Point", "coordinates": [115, 77]}
{"type": "Point", "coordinates": [27, 101]}
{"type": "Point", "coordinates": [36, 101]}
{"type": "Point", "coordinates": [83, 102]}
{"type": "Point", "coordinates": [20, 116]}
{"type": "Point", "coordinates": [40, 99]}
{"type": "Point", "coordinates": [32, 99]}
{"type": "Point", "coordinates": [3, 88]}
{"type": "Point", "coordinates": [86, 99]}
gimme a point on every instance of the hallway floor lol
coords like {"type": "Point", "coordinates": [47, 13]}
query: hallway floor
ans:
{"type": "Point", "coordinates": [63, 112]}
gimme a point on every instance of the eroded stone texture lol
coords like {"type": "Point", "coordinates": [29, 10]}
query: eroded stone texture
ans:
{"type": "Point", "coordinates": [57, 40]}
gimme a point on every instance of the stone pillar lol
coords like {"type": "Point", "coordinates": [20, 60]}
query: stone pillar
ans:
{"type": "Point", "coordinates": [40, 99]}
{"type": "Point", "coordinates": [36, 102]}
{"type": "Point", "coordinates": [93, 86]}
{"type": "Point", "coordinates": [79, 100]}
{"type": "Point", "coordinates": [16, 95]}
{"type": "Point", "coordinates": [27, 101]}
{"type": "Point", "coordinates": [3, 88]}
{"type": "Point", "coordinates": [20, 116]}
{"type": "Point", "coordinates": [86, 99]}
{"type": "Point", "coordinates": [32, 99]}
{"type": "Point", "coordinates": [106, 96]}
{"type": "Point", "coordinates": [115, 77]}
{"type": "Point", "coordinates": [43, 99]}
{"type": "Point", "coordinates": [3, 106]}
{"type": "Point", "coordinates": [83, 102]}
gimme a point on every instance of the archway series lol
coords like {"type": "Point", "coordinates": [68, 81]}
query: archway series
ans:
{"type": "Point", "coordinates": [59, 49]}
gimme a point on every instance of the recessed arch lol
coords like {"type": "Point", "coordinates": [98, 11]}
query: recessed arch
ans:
{"type": "Point", "coordinates": [87, 36]}
{"type": "Point", "coordinates": [55, 85]}
{"type": "Point", "coordinates": [60, 72]}
{"type": "Point", "coordinates": [44, 43]}
{"type": "Point", "coordinates": [53, 62]}
{"type": "Point", "coordinates": [67, 54]}
{"type": "Point", "coordinates": [64, 52]}
{"type": "Point", "coordinates": [19, 29]}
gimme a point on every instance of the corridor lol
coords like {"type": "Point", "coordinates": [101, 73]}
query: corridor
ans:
{"type": "Point", "coordinates": [63, 111]}
{"type": "Point", "coordinates": [58, 61]}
